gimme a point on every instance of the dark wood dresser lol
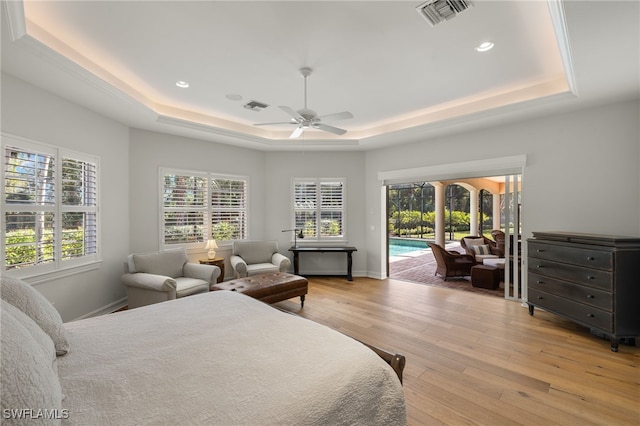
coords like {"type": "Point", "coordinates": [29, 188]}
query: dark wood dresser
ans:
{"type": "Point", "coordinates": [593, 280]}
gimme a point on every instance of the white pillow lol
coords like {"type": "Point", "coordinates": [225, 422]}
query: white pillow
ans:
{"type": "Point", "coordinates": [38, 308]}
{"type": "Point", "coordinates": [481, 249]}
{"type": "Point", "coordinates": [28, 370]}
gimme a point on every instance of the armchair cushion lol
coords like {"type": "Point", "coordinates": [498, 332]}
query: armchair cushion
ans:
{"type": "Point", "coordinates": [255, 251]}
{"type": "Point", "coordinates": [186, 286]}
{"type": "Point", "coordinates": [166, 262]}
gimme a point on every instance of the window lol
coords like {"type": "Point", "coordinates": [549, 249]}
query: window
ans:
{"type": "Point", "coordinates": [49, 205]}
{"type": "Point", "coordinates": [318, 205]}
{"type": "Point", "coordinates": [198, 206]}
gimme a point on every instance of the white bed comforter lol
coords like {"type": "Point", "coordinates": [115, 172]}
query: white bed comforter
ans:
{"type": "Point", "coordinates": [222, 358]}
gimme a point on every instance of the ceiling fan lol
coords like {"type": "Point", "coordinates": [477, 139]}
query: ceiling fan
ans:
{"type": "Point", "coordinates": [306, 118]}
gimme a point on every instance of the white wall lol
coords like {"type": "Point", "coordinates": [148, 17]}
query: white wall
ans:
{"type": "Point", "coordinates": [37, 115]}
{"type": "Point", "coordinates": [281, 167]}
{"type": "Point", "coordinates": [582, 172]}
{"type": "Point", "coordinates": [150, 150]}
{"type": "Point", "coordinates": [270, 177]}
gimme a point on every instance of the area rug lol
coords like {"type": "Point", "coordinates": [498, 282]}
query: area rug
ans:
{"type": "Point", "coordinates": [420, 268]}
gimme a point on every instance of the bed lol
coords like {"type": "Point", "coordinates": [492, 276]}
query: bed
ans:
{"type": "Point", "coordinates": [219, 358]}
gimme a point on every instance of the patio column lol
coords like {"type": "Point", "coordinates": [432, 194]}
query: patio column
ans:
{"type": "Point", "coordinates": [496, 212]}
{"type": "Point", "coordinates": [473, 214]}
{"type": "Point", "coordinates": [439, 195]}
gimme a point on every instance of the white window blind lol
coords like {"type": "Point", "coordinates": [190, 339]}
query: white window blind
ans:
{"type": "Point", "coordinates": [50, 207]}
{"type": "Point", "coordinates": [228, 209]}
{"type": "Point", "coordinates": [199, 206]}
{"type": "Point", "coordinates": [185, 208]}
{"type": "Point", "coordinates": [318, 205]}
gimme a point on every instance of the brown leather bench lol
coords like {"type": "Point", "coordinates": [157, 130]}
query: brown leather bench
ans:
{"type": "Point", "coordinates": [270, 288]}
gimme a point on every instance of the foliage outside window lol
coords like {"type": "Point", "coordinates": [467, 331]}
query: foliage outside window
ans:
{"type": "Point", "coordinates": [201, 206]}
{"type": "Point", "coordinates": [319, 208]}
{"type": "Point", "coordinates": [49, 205]}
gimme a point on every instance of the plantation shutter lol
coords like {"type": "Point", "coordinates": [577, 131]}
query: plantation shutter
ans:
{"type": "Point", "coordinates": [50, 207]}
{"type": "Point", "coordinates": [79, 231]}
{"type": "Point", "coordinates": [201, 206]}
{"type": "Point", "coordinates": [29, 189]}
{"type": "Point", "coordinates": [305, 206]}
{"type": "Point", "coordinates": [228, 209]}
{"type": "Point", "coordinates": [184, 208]}
{"type": "Point", "coordinates": [319, 208]}
{"type": "Point", "coordinates": [331, 208]}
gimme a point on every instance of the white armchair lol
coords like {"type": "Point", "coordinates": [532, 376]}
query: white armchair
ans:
{"type": "Point", "coordinates": [165, 275]}
{"type": "Point", "coordinates": [257, 257]}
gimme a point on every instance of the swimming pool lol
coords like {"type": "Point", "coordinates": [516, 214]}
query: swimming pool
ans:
{"type": "Point", "coordinates": [400, 246]}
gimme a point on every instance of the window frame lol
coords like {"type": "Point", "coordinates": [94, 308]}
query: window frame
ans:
{"type": "Point", "coordinates": [59, 266]}
{"type": "Point", "coordinates": [318, 210]}
{"type": "Point", "coordinates": [206, 209]}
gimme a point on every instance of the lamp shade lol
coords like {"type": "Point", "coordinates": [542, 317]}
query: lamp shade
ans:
{"type": "Point", "coordinates": [211, 246]}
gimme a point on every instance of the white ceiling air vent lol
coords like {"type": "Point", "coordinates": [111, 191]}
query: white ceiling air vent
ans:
{"type": "Point", "coordinates": [438, 11]}
{"type": "Point", "coordinates": [255, 106]}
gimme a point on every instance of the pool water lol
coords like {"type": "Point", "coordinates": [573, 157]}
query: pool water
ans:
{"type": "Point", "coordinates": [398, 247]}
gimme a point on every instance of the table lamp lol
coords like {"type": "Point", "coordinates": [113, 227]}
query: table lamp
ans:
{"type": "Point", "coordinates": [297, 233]}
{"type": "Point", "coordinates": [212, 246]}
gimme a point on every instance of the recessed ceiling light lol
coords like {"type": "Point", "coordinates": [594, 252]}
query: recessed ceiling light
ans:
{"type": "Point", "coordinates": [486, 46]}
{"type": "Point", "coordinates": [182, 84]}
{"type": "Point", "coordinates": [234, 97]}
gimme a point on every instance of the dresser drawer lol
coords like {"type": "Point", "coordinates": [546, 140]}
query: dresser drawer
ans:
{"type": "Point", "coordinates": [588, 295]}
{"type": "Point", "coordinates": [576, 256]}
{"type": "Point", "coordinates": [583, 314]}
{"type": "Point", "coordinates": [589, 277]}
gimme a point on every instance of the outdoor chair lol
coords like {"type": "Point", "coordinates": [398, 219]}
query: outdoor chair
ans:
{"type": "Point", "coordinates": [451, 263]}
{"type": "Point", "coordinates": [500, 238]}
{"type": "Point", "coordinates": [481, 247]}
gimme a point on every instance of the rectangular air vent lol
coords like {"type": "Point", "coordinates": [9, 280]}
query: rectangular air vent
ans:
{"type": "Point", "coordinates": [439, 11]}
{"type": "Point", "coordinates": [255, 106]}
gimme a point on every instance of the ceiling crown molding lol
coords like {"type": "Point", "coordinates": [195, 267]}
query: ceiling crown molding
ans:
{"type": "Point", "coordinates": [15, 16]}
{"type": "Point", "coordinates": [559, 22]}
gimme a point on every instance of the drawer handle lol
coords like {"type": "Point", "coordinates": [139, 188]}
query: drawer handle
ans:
{"type": "Point", "coordinates": [539, 266]}
{"type": "Point", "coordinates": [591, 258]}
{"type": "Point", "coordinates": [590, 316]}
{"type": "Point", "coordinates": [540, 297]}
{"type": "Point", "coordinates": [591, 277]}
{"type": "Point", "coordinates": [540, 250]}
{"type": "Point", "coordinates": [590, 296]}
{"type": "Point", "coordinates": [539, 282]}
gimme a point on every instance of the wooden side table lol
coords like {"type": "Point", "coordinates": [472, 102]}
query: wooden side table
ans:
{"type": "Point", "coordinates": [217, 261]}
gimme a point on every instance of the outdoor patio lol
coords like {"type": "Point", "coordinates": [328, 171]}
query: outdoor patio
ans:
{"type": "Point", "coordinates": [419, 267]}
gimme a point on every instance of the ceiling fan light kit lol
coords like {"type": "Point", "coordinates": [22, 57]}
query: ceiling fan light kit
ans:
{"type": "Point", "coordinates": [306, 118]}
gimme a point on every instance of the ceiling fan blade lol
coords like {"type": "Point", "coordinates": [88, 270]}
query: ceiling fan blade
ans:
{"type": "Point", "coordinates": [279, 122]}
{"type": "Point", "coordinates": [292, 113]}
{"type": "Point", "coordinates": [330, 129]}
{"type": "Point", "coordinates": [337, 116]}
{"type": "Point", "coordinates": [297, 132]}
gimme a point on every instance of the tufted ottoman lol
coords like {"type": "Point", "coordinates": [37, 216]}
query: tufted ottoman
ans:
{"type": "Point", "coordinates": [485, 276]}
{"type": "Point", "coordinates": [270, 287]}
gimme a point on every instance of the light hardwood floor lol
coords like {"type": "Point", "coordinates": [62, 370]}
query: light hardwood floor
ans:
{"type": "Point", "coordinates": [480, 360]}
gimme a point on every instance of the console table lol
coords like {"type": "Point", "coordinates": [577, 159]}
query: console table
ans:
{"type": "Point", "coordinates": [342, 249]}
